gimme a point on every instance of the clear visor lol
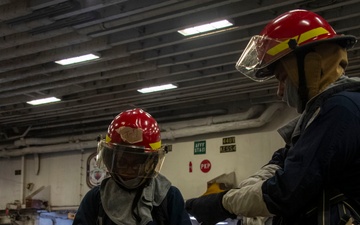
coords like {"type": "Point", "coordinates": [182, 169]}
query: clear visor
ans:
{"type": "Point", "coordinates": [129, 162]}
{"type": "Point", "coordinates": [256, 59]}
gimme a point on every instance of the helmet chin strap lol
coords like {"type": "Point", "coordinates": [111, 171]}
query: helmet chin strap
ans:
{"type": "Point", "coordinates": [303, 89]}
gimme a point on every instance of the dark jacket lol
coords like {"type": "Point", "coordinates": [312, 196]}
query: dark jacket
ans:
{"type": "Point", "coordinates": [171, 210]}
{"type": "Point", "coordinates": [323, 155]}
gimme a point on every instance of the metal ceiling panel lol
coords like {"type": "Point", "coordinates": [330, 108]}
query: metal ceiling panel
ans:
{"type": "Point", "coordinates": [139, 47]}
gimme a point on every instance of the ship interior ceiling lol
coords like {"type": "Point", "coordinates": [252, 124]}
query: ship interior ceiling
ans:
{"type": "Point", "coordinates": [139, 46]}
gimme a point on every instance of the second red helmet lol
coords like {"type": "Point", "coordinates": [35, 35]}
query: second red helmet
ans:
{"type": "Point", "coordinates": [290, 31]}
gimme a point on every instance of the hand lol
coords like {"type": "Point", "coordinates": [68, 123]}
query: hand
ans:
{"type": "Point", "coordinates": [208, 209]}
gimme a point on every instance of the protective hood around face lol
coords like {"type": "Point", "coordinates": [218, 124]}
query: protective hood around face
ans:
{"type": "Point", "coordinates": [323, 66]}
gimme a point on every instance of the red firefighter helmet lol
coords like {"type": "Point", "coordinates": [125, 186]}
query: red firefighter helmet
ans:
{"type": "Point", "coordinates": [132, 150]}
{"type": "Point", "coordinates": [293, 30]}
{"type": "Point", "coordinates": [134, 127]}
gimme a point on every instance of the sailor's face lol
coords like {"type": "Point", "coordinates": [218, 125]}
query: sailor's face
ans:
{"type": "Point", "coordinates": [128, 165]}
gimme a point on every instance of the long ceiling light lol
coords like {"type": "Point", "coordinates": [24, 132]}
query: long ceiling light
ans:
{"type": "Point", "coordinates": [205, 27]}
{"type": "Point", "coordinates": [77, 59]}
{"type": "Point", "coordinates": [157, 88]}
{"type": "Point", "coordinates": [43, 101]}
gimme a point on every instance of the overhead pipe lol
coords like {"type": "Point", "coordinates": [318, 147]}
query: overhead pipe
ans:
{"type": "Point", "coordinates": [223, 127]}
{"type": "Point", "coordinates": [264, 118]}
{"type": "Point", "coordinates": [250, 113]}
{"type": "Point", "coordinates": [18, 136]}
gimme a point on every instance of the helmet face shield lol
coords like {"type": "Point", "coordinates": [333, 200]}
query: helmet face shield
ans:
{"type": "Point", "coordinates": [256, 59]}
{"type": "Point", "coordinates": [130, 165]}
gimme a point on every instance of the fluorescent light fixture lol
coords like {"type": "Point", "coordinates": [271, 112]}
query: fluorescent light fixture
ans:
{"type": "Point", "coordinates": [157, 88]}
{"type": "Point", "coordinates": [43, 101]}
{"type": "Point", "coordinates": [205, 28]}
{"type": "Point", "coordinates": [77, 59]}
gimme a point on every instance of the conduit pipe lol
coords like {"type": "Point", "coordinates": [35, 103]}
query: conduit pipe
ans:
{"type": "Point", "coordinates": [167, 135]}
{"type": "Point", "coordinates": [222, 127]}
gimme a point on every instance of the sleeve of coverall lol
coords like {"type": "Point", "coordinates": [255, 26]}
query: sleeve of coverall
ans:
{"type": "Point", "coordinates": [87, 213]}
{"type": "Point", "coordinates": [276, 162]}
{"type": "Point", "coordinates": [176, 208]}
{"type": "Point", "coordinates": [264, 173]}
{"type": "Point", "coordinates": [247, 199]}
{"type": "Point", "coordinates": [318, 158]}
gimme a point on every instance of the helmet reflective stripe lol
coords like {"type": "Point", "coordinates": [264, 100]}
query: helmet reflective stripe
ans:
{"type": "Point", "coordinates": [155, 146]}
{"type": "Point", "coordinates": [312, 33]}
{"type": "Point", "coordinates": [303, 37]}
{"type": "Point", "coordinates": [107, 139]}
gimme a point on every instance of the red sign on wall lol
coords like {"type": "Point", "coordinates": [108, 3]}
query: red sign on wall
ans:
{"type": "Point", "coordinates": [205, 166]}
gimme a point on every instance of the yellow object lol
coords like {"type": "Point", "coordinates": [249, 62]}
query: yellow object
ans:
{"type": "Point", "coordinates": [213, 189]}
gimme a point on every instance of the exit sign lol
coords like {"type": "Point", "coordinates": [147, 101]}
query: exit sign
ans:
{"type": "Point", "coordinates": [199, 147]}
